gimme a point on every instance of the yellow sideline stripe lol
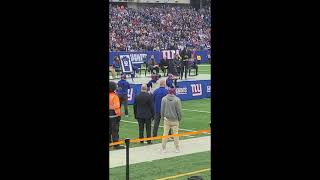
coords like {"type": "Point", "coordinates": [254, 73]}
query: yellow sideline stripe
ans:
{"type": "Point", "coordinates": [185, 174]}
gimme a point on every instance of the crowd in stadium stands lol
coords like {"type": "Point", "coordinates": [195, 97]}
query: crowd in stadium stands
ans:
{"type": "Point", "coordinates": [159, 28]}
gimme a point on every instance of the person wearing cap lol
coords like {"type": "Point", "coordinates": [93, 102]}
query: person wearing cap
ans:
{"type": "Point", "coordinates": [114, 115]}
{"type": "Point", "coordinates": [122, 91]}
{"type": "Point", "coordinates": [171, 116]}
{"type": "Point", "coordinates": [171, 81]}
{"type": "Point", "coordinates": [153, 83]}
{"type": "Point", "coordinates": [158, 94]}
{"type": "Point", "coordinates": [144, 111]}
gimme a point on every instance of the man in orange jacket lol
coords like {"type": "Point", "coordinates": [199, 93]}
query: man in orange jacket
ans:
{"type": "Point", "coordinates": [114, 114]}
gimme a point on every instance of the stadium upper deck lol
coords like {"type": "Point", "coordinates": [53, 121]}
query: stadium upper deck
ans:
{"type": "Point", "coordinates": [159, 27]}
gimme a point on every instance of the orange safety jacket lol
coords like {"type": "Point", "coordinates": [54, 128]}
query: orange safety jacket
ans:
{"type": "Point", "coordinates": [114, 105]}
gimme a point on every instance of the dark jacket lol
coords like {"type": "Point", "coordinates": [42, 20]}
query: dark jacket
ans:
{"type": "Point", "coordinates": [143, 106]}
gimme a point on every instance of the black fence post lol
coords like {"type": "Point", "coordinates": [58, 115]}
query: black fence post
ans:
{"type": "Point", "coordinates": [127, 141]}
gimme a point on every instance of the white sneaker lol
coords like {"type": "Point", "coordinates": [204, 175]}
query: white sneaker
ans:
{"type": "Point", "coordinates": [126, 115]}
{"type": "Point", "coordinates": [177, 151]}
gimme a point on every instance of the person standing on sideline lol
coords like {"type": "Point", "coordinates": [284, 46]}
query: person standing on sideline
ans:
{"type": "Point", "coordinates": [114, 115]}
{"type": "Point", "coordinates": [144, 111]}
{"type": "Point", "coordinates": [171, 114]}
{"type": "Point", "coordinates": [158, 94]}
{"type": "Point", "coordinates": [122, 91]}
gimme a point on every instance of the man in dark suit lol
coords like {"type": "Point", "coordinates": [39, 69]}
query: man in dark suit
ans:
{"type": "Point", "coordinates": [185, 54]}
{"type": "Point", "coordinates": [144, 111]}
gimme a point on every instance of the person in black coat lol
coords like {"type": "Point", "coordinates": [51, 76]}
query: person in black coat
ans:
{"type": "Point", "coordinates": [185, 54]}
{"type": "Point", "coordinates": [144, 111]}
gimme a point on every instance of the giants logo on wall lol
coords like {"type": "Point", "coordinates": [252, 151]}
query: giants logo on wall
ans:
{"type": "Point", "coordinates": [181, 91]}
{"type": "Point", "coordinates": [196, 89]}
{"type": "Point", "coordinates": [209, 89]}
{"type": "Point", "coordinates": [130, 93]}
{"type": "Point", "coordinates": [169, 54]}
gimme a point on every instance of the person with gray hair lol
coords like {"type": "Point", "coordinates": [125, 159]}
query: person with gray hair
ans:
{"type": "Point", "coordinates": [144, 111]}
{"type": "Point", "coordinates": [158, 94]}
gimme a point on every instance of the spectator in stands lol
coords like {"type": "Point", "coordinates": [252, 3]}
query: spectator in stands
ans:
{"type": "Point", "coordinates": [144, 111]}
{"type": "Point", "coordinates": [122, 91]}
{"type": "Point", "coordinates": [158, 94]}
{"type": "Point", "coordinates": [158, 28]}
{"type": "Point", "coordinates": [171, 114]}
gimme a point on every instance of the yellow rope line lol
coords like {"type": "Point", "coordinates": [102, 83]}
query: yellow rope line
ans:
{"type": "Point", "coordinates": [162, 137]}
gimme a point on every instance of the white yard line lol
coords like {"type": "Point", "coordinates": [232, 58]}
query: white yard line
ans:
{"type": "Point", "coordinates": [152, 152]}
{"type": "Point", "coordinates": [196, 111]}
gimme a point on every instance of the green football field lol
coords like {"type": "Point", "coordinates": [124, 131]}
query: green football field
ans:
{"type": "Point", "coordinates": [195, 116]}
{"type": "Point", "coordinates": [181, 167]}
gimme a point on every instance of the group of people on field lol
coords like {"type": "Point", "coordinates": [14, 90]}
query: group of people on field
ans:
{"type": "Point", "coordinates": [155, 103]}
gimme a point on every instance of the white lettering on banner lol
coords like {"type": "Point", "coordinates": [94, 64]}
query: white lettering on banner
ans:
{"type": "Point", "coordinates": [196, 89]}
{"type": "Point", "coordinates": [138, 58]}
{"type": "Point", "coordinates": [209, 89]}
{"type": "Point", "coordinates": [181, 91]}
{"type": "Point", "coordinates": [169, 54]}
{"type": "Point", "coordinates": [130, 93]}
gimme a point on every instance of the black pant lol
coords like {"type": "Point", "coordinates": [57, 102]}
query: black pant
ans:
{"type": "Point", "coordinates": [151, 68]}
{"type": "Point", "coordinates": [124, 100]}
{"type": "Point", "coordinates": [114, 123]}
{"type": "Point", "coordinates": [157, 118]}
{"type": "Point", "coordinates": [195, 66]}
{"type": "Point", "coordinates": [184, 69]}
{"type": "Point", "coordinates": [143, 122]}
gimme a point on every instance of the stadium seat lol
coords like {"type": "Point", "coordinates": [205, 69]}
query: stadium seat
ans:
{"type": "Point", "coordinates": [143, 67]}
{"type": "Point", "coordinates": [194, 71]}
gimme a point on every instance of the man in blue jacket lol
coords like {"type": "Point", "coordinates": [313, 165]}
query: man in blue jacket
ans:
{"type": "Point", "coordinates": [123, 86]}
{"type": "Point", "coordinates": [158, 94]}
